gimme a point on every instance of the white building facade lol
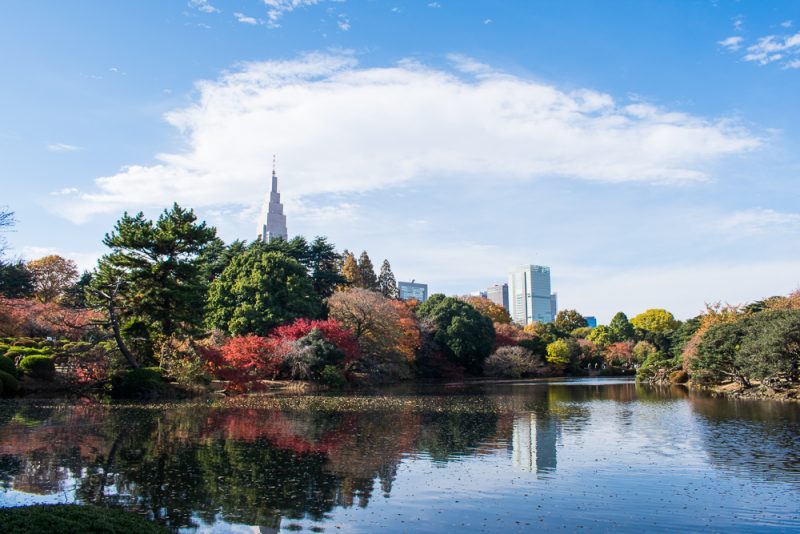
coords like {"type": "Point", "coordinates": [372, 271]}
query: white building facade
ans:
{"type": "Point", "coordinates": [529, 296]}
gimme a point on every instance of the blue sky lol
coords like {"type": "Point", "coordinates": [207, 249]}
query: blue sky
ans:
{"type": "Point", "coordinates": [646, 151]}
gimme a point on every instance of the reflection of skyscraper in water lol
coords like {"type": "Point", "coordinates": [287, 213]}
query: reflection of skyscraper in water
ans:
{"type": "Point", "coordinates": [534, 442]}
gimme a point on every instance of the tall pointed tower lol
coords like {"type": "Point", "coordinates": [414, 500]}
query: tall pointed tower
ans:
{"type": "Point", "coordinates": [275, 227]}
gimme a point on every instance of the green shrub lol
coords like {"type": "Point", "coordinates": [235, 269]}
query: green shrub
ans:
{"type": "Point", "coordinates": [18, 351]}
{"type": "Point", "coordinates": [332, 376]}
{"type": "Point", "coordinates": [7, 365]}
{"type": "Point", "coordinates": [10, 384]}
{"type": "Point", "coordinates": [4, 347]}
{"type": "Point", "coordinates": [38, 366]}
{"type": "Point", "coordinates": [27, 342]}
{"type": "Point", "coordinates": [74, 519]}
{"type": "Point", "coordinates": [137, 383]}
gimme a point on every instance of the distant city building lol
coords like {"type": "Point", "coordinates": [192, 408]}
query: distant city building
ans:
{"type": "Point", "coordinates": [275, 226]}
{"type": "Point", "coordinates": [529, 296]}
{"type": "Point", "coordinates": [498, 294]}
{"type": "Point", "coordinates": [554, 305]}
{"type": "Point", "coordinates": [481, 294]}
{"type": "Point", "coordinates": [413, 290]}
{"type": "Point", "coordinates": [591, 321]}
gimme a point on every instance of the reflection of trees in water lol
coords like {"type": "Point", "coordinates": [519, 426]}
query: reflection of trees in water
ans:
{"type": "Point", "coordinates": [447, 435]}
{"type": "Point", "coordinates": [249, 466]}
{"type": "Point", "coordinates": [751, 438]}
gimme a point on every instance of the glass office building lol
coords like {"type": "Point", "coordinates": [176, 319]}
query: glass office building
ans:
{"type": "Point", "coordinates": [529, 296]}
{"type": "Point", "coordinates": [413, 290]}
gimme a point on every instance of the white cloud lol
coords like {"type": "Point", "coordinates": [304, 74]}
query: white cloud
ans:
{"type": "Point", "coordinates": [64, 191]}
{"type": "Point", "coordinates": [774, 48]}
{"type": "Point", "coordinates": [738, 23]}
{"type": "Point", "coordinates": [277, 8]}
{"type": "Point", "coordinates": [732, 43]}
{"type": "Point", "coordinates": [343, 23]}
{"type": "Point", "coordinates": [759, 221]}
{"type": "Point", "coordinates": [786, 24]}
{"type": "Point", "coordinates": [340, 128]}
{"type": "Point", "coordinates": [434, 5]}
{"type": "Point", "coordinates": [63, 147]}
{"type": "Point", "coordinates": [204, 6]}
{"type": "Point", "coordinates": [488, 21]}
{"type": "Point", "coordinates": [244, 19]}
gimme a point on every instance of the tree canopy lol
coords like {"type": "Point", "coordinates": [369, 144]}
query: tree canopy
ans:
{"type": "Point", "coordinates": [158, 270]}
{"type": "Point", "coordinates": [260, 290]}
{"type": "Point", "coordinates": [464, 334]}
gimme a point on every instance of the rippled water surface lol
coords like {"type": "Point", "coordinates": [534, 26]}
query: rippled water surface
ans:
{"type": "Point", "coordinates": [585, 455]}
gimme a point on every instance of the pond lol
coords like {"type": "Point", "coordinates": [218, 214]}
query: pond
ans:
{"type": "Point", "coordinates": [589, 455]}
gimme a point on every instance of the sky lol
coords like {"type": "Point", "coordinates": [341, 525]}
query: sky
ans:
{"type": "Point", "coordinates": [647, 152]}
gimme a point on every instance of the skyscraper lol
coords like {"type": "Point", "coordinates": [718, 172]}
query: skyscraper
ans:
{"type": "Point", "coordinates": [529, 297]}
{"type": "Point", "coordinates": [275, 227]}
{"type": "Point", "coordinates": [498, 294]}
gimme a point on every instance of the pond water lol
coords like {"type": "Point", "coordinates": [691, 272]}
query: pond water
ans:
{"type": "Point", "coordinates": [589, 455]}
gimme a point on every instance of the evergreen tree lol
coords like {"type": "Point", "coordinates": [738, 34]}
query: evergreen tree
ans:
{"type": "Point", "coordinates": [75, 295]}
{"type": "Point", "coordinates": [323, 263]}
{"type": "Point", "coordinates": [386, 281]}
{"type": "Point", "coordinates": [367, 272]}
{"type": "Point", "coordinates": [620, 328]}
{"type": "Point", "coordinates": [350, 271]}
{"type": "Point", "coordinates": [16, 281]}
{"type": "Point", "coordinates": [260, 290]}
{"type": "Point", "coordinates": [155, 269]}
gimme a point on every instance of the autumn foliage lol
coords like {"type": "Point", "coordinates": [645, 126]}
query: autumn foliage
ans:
{"type": "Point", "coordinates": [31, 318]}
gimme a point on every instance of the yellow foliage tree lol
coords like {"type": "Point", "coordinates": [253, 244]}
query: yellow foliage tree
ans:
{"type": "Point", "coordinates": [52, 276]}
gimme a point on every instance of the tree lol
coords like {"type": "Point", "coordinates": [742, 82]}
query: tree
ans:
{"type": "Point", "coordinates": [373, 319]}
{"type": "Point", "coordinates": [465, 335]}
{"type": "Point", "coordinates": [655, 320]}
{"type": "Point", "coordinates": [52, 277]}
{"type": "Point", "coordinates": [75, 295]}
{"type": "Point", "coordinates": [716, 356]}
{"type": "Point", "coordinates": [770, 348]}
{"type": "Point", "coordinates": [157, 269]}
{"type": "Point", "coordinates": [6, 221]}
{"type": "Point", "coordinates": [323, 264]}
{"type": "Point", "coordinates": [258, 291]}
{"type": "Point", "coordinates": [620, 328]}
{"type": "Point", "coordinates": [16, 281]}
{"type": "Point", "coordinates": [367, 272]}
{"type": "Point", "coordinates": [619, 353]}
{"type": "Point", "coordinates": [561, 353]}
{"type": "Point", "coordinates": [546, 332]}
{"type": "Point", "coordinates": [569, 320]}
{"type": "Point", "coordinates": [487, 308]}
{"type": "Point", "coordinates": [215, 256]}
{"type": "Point", "coordinates": [350, 271]}
{"type": "Point", "coordinates": [601, 335]}
{"type": "Point", "coordinates": [386, 282]}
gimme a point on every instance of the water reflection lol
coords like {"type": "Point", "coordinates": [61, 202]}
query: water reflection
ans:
{"type": "Point", "coordinates": [192, 465]}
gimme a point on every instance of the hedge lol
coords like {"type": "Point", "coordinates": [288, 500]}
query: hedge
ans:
{"type": "Point", "coordinates": [38, 366]}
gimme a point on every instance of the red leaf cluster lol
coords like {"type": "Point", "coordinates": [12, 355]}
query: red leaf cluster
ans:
{"type": "Point", "coordinates": [31, 318]}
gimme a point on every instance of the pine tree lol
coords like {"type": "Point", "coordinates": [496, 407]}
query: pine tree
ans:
{"type": "Point", "coordinates": [368, 278]}
{"type": "Point", "coordinates": [386, 281]}
{"type": "Point", "coordinates": [350, 270]}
